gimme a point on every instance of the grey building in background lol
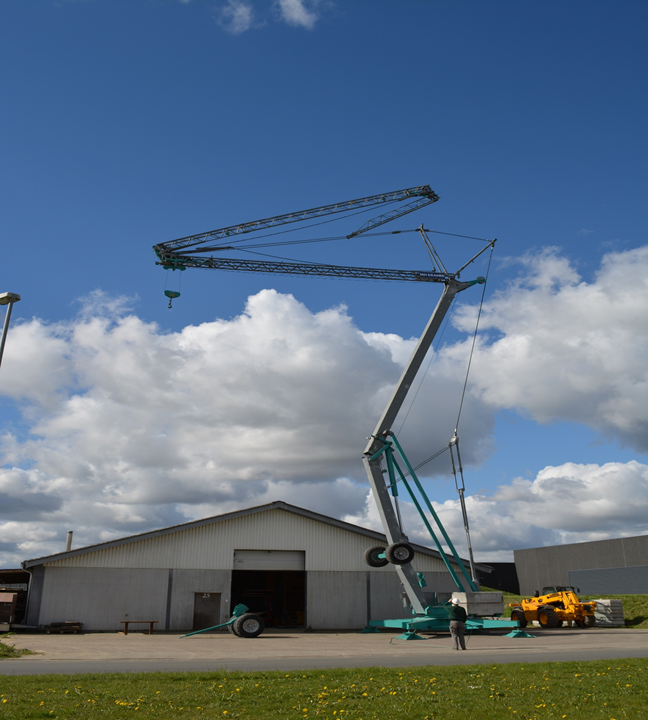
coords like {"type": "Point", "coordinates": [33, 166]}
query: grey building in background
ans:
{"type": "Point", "coordinates": [297, 567]}
{"type": "Point", "coordinates": [604, 566]}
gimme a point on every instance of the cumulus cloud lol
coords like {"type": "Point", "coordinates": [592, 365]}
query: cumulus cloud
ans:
{"type": "Point", "coordinates": [236, 17]}
{"type": "Point", "coordinates": [137, 427]}
{"type": "Point", "coordinates": [564, 504]}
{"type": "Point", "coordinates": [565, 349]}
{"type": "Point", "coordinates": [298, 13]}
{"type": "Point", "coordinates": [130, 428]}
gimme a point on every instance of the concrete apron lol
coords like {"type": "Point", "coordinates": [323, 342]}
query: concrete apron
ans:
{"type": "Point", "coordinates": [102, 652]}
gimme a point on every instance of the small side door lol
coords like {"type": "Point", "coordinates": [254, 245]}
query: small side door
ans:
{"type": "Point", "coordinates": [206, 610]}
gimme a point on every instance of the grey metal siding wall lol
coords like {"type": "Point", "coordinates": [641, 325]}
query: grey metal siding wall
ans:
{"type": "Point", "coordinates": [347, 600]}
{"type": "Point", "coordinates": [611, 581]}
{"type": "Point", "coordinates": [384, 597]}
{"type": "Point", "coordinates": [101, 597]}
{"type": "Point", "coordinates": [336, 600]}
{"type": "Point", "coordinates": [186, 583]}
{"type": "Point", "coordinates": [537, 567]}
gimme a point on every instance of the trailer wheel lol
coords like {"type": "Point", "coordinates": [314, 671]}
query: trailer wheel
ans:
{"type": "Point", "coordinates": [590, 620]}
{"type": "Point", "coordinates": [232, 629]}
{"type": "Point", "coordinates": [518, 616]}
{"type": "Point", "coordinates": [399, 553]}
{"type": "Point", "coordinates": [547, 617]}
{"type": "Point", "coordinates": [249, 626]}
{"type": "Point", "coordinates": [371, 557]}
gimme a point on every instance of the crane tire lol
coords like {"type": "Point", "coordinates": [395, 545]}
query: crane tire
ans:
{"type": "Point", "coordinates": [371, 557]}
{"type": "Point", "coordinates": [400, 553]}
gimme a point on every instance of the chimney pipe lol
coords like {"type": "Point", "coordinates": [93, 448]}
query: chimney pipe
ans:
{"type": "Point", "coordinates": [68, 542]}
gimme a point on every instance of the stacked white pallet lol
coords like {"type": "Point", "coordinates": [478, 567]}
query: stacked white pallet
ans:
{"type": "Point", "coordinates": [609, 613]}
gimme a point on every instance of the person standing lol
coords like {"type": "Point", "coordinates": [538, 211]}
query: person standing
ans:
{"type": "Point", "coordinates": [457, 624]}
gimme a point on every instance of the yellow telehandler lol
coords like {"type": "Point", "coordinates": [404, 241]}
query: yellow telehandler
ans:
{"type": "Point", "coordinates": [556, 605]}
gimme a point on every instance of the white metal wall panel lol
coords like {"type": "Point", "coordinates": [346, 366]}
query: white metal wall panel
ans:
{"type": "Point", "coordinates": [325, 609]}
{"type": "Point", "coordinates": [101, 598]}
{"type": "Point", "coordinates": [185, 583]}
{"type": "Point", "coordinates": [269, 560]}
{"type": "Point", "coordinates": [326, 547]}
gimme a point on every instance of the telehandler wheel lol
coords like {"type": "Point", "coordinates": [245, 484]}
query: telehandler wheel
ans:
{"type": "Point", "coordinates": [547, 617]}
{"type": "Point", "coordinates": [400, 553]}
{"type": "Point", "coordinates": [249, 626]}
{"type": "Point", "coordinates": [590, 620]}
{"type": "Point", "coordinates": [518, 616]}
{"type": "Point", "coordinates": [372, 559]}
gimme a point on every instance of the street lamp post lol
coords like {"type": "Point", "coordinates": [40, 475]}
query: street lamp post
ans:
{"type": "Point", "coordinates": [7, 299]}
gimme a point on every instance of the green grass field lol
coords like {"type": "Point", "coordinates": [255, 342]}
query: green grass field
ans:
{"type": "Point", "coordinates": [610, 690]}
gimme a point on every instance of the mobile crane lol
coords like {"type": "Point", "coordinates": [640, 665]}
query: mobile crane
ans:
{"type": "Point", "coordinates": [382, 453]}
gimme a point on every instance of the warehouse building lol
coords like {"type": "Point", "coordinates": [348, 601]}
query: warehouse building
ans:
{"type": "Point", "coordinates": [297, 567]}
{"type": "Point", "coordinates": [612, 567]}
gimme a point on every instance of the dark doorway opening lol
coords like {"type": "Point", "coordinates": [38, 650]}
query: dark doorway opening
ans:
{"type": "Point", "coordinates": [279, 596]}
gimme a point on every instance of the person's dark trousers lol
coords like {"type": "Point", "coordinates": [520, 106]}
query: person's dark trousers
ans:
{"type": "Point", "coordinates": [457, 629]}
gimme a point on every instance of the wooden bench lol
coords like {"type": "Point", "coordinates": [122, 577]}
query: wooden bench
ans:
{"type": "Point", "coordinates": [150, 623]}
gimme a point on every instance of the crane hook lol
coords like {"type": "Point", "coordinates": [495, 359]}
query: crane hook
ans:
{"type": "Point", "coordinates": [171, 294]}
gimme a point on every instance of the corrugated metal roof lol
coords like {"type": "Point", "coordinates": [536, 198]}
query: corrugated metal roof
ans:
{"type": "Point", "coordinates": [182, 555]}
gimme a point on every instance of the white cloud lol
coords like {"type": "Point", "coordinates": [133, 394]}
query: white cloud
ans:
{"type": "Point", "coordinates": [299, 13]}
{"type": "Point", "coordinates": [568, 349]}
{"type": "Point", "coordinates": [236, 17]}
{"type": "Point", "coordinates": [565, 504]}
{"type": "Point", "coordinates": [130, 428]}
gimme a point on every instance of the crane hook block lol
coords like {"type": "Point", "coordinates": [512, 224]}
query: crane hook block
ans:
{"type": "Point", "coordinates": [171, 294]}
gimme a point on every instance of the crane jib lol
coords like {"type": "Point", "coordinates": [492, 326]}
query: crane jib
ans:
{"type": "Point", "coordinates": [182, 262]}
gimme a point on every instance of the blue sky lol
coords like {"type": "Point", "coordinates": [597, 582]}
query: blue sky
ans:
{"type": "Point", "coordinates": [126, 124]}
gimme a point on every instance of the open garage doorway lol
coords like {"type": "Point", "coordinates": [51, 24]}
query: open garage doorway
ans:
{"type": "Point", "coordinates": [279, 596]}
{"type": "Point", "coordinates": [272, 584]}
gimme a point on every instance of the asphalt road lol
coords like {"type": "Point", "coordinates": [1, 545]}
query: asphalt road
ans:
{"type": "Point", "coordinates": [136, 652]}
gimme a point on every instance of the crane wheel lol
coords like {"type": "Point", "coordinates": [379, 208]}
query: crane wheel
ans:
{"type": "Point", "coordinates": [373, 559]}
{"type": "Point", "coordinates": [400, 553]}
{"type": "Point", "coordinates": [590, 620]}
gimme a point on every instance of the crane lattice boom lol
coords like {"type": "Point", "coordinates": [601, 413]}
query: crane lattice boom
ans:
{"type": "Point", "coordinates": [418, 197]}
{"type": "Point", "coordinates": [290, 268]}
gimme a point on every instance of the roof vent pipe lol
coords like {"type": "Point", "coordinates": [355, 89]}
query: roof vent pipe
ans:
{"type": "Point", "coordinates": [68, 542]}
